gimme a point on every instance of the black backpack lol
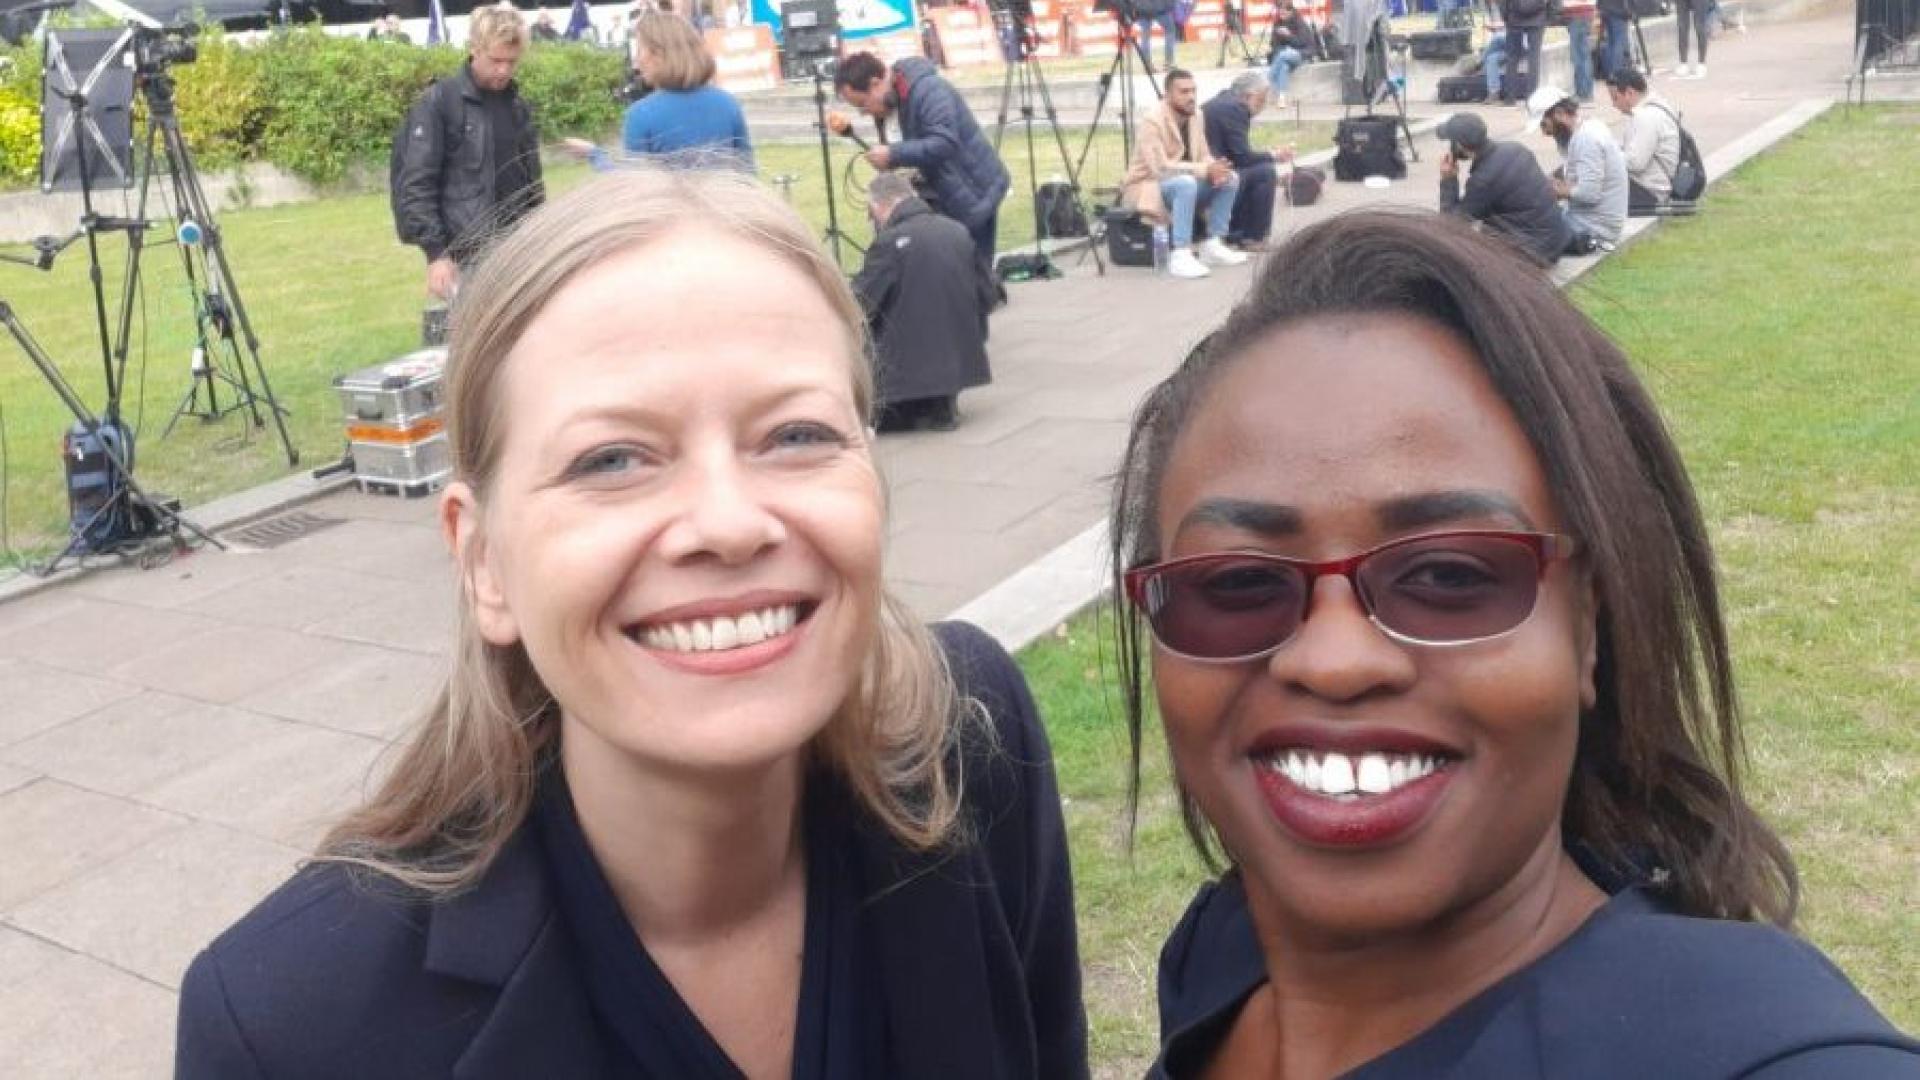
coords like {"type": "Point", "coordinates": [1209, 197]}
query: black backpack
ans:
{"type": "Point", "coordinates": [1056, 212]}
{"type": "Point", "coordinates": [1689, 177]}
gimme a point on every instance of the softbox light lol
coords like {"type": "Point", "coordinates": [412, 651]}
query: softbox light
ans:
{"type": "Point", "coordinates": [86, 107]}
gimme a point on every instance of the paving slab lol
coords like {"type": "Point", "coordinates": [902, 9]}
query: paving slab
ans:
{"type": "Point", "coordinates": [51, 832]}
{"type": "Point", "coordinates": [171, 740]}
{"type": "Point", "coordinates": [151, 910]}
{"type": "Point", "coordinates": [75, 1016]}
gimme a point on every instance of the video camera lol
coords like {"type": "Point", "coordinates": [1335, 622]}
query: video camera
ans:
{"type": "Point", "coordinates": [157, 48]}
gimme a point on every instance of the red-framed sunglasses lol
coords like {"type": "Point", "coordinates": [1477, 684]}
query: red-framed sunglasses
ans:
{"type": "Point", "coordinates": [1446, 588]}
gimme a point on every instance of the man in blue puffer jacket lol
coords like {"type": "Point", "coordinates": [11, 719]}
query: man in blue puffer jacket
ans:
{"type": "Point", "coordinates": [938, 137]}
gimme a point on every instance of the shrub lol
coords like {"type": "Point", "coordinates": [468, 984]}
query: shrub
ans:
{"type": "Point", "coordinates": [574, 89]}
{"type": "Point", "coordinates": [222, 102]}
{"type": "Point", "coordinates": [332, 102]}
{"type": "Point", "coordinates": [19, 138]}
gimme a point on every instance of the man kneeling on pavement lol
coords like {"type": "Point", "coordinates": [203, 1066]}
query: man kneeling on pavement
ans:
{"type": "Point", "coordinates": [926, 297]}
{"type": "Point", "coordinates": [1229, 116]}
{"type": "Point", "coordinates": [1173, 173]}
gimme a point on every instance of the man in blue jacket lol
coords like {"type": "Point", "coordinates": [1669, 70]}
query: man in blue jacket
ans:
{"type": "Point", "coordinates": [1229, 118]}
{"type": "Point", "coordinates": [938, 137]}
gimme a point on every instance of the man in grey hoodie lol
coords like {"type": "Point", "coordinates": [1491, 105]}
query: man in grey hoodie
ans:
{"type": "Point", "coordinates": [1593, 182]}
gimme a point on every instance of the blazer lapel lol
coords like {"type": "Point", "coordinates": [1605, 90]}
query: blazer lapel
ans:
{"type": "Point", "coordinates": [936, 974]}
{"type": "Point", "coordinates": [506, 932]}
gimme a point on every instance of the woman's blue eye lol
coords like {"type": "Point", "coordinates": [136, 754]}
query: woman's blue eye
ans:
{"type": "Point", "coordinates": [804, 434]}
{"type": "Point", "coordinates": [606, 459]}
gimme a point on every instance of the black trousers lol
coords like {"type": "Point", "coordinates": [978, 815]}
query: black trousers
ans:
{"type": "Point", "coordinates": [1253, 206]}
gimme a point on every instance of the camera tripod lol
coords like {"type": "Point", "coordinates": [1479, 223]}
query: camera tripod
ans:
{"type": "Point", "coordinates": [1024, 72]}
{"type": "Point", "coordinates": [220, 356]}
{"type": "Point", "coordinates": [1236, 34]}
{"type": "Point", "coordinates": [1127, 46]}
{"type": "Point", "coordinates": [1378, 85]}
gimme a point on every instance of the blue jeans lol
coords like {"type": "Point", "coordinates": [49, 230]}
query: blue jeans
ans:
{"type": "Point", "coordinates": [1280, 72]}
{"type": "Point", "coordinates": [1523, 45]}
{"type": "Point", "coordinates": [1493, 62]}
{"type": "Point", "coordinates": [1144, 27]}
{"type": "Point", "coordinates": [1580, 44]}
{"type": "Point", "coordinates": [1182, 192]}
{"type": "Point", "coordinates": [1613, 44]}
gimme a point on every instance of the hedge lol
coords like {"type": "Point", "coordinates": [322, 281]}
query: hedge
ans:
{"type": "Point", "coordinates": [317, 105]}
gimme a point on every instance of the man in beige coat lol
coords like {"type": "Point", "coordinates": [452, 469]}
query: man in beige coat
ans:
{"type": "Point", "coordinates": [1174, 171]}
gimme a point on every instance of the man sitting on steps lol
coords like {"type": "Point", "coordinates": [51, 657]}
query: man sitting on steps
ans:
{"type": "Point", "coordinates": [1174, 172]}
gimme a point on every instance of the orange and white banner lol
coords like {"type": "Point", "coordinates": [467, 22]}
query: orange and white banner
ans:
{"type": "Point", "coordinates": [888, 47]}
{"type": "Point", "coordinates": [967, 36]}
{"type": "Point", "coordinates": [744, 58]}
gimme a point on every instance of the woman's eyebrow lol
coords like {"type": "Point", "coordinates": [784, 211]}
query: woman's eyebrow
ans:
{"type": "Point", "coordinates": [1249, 515]}
{"type": "Point", "coordinates": [1444, 507]}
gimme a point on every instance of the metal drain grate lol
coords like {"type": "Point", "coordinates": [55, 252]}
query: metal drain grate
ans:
{"type": "Point", "coordinates": [286, 528]}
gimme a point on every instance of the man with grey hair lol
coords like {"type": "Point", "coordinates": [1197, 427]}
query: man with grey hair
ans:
{"type": "Point", "coordinates": [1229, 125]}
{"type": "Point", "coordinates": [926, 295]}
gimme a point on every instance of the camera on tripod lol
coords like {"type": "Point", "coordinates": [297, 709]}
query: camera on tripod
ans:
{"type": "Point", "coordinates": [155, 48]}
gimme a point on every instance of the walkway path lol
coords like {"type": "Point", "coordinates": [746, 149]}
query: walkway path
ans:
{"type": "Point", "coordinates": [172, 741]}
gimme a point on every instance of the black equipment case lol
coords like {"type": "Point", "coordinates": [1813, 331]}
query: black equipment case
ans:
{"type": "Point", "coordinates": [1368, 146]}
{"type": "Point", "coordinates": [1461, 89]}
{"type": "Point", "coordinates": [1129, 238]}
{"type": "Point", "coordinates": [1444, 45]}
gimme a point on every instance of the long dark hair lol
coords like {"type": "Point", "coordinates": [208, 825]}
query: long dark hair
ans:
{"type": "Point", "coordinates": [1655, 793]}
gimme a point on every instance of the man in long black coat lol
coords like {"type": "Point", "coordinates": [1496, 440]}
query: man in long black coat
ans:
{"type": "Point", "coordinates": [926, 296]}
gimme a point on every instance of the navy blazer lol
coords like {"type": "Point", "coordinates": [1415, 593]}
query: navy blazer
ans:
{"type": "Point", "coordinates": [340, 974]}
{"type": "Point", "coordinates": [1637, 991]}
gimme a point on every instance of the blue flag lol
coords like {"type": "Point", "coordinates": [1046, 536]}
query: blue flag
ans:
{"type": "Point", "coordinates": [578, 24]}
{"type": "Point", "coordinates": [436, 24]}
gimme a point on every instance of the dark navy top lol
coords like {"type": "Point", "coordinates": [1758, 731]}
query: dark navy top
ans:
{"type": "Point", "coordinates": [1636, 991]}
{"type": "Point", "coordinates": [647, 1026]}
{"type": "Point", "coordinates": [961, 961]}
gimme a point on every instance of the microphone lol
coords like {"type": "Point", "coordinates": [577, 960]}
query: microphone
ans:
{"type": "Point", "coordinates": [857, 140]}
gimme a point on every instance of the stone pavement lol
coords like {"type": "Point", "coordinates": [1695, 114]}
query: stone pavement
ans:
{"type": "Point", "coordinates": [171, 741]}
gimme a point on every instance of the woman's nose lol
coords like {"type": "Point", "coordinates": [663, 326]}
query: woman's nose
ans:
{"type": "Point", "coordinates": [723, 515]}
{"type": "Point", "coordinates": [1338, 653]}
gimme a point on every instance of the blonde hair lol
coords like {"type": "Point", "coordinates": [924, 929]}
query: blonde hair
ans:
{"type": "Point", "coordinates": [496, 24]}
{"type": "Point", "coordinates": [677, 55]}
{"type": "Point", "coordinates": [465, 780]}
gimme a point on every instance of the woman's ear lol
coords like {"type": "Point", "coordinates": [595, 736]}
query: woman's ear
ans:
{"type": "Point", "coordinates": [461, 523]}
{"type": "Point", "coordinates": [1592, 616]}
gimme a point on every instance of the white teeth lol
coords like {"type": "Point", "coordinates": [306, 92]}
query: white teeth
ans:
{"type": "Point", "coordinates": [1336, 775]}
{"type": "Point", "coordinates": [1344, 776]}
{"type": "Point", "coordinates": [1375, 777]}
{"type": "Point", "coordinates": [720, 633]}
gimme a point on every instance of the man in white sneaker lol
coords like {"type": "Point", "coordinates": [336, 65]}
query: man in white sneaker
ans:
{"type": "Point", "coordinates": [1174, 172]}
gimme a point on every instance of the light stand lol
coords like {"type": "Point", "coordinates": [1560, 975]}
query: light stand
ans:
{"type": "Point", "coordinates": [1023, 69]}
{"type": "Point", "coordinates": [835, 236]}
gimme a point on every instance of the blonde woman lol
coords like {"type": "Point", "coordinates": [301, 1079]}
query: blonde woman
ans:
{"type": "Point", "coordinates": [699, 800]}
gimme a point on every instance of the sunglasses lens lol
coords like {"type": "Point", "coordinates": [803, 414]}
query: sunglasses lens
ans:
{"type": "Point", "coordinates": [1452, 588]}
{"type": "Point", "coordinates": [1225, 607]}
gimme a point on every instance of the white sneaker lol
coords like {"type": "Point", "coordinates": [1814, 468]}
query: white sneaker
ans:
{"type": "Point", "coordinates": [1216, 251]}
{"type": "Point", "coordinates": [1278, 101]}
{"type": "Point", "coordinates": [1699, 71]}
{"type": "Point", "coordinates": [1183, 264]}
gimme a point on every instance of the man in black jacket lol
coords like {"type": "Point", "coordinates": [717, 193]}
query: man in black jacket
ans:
{"type": "Point", "coordinates": [1506, 191]}
{"type": "Point", "coordinates": [926, 298]}
{"type": "Point", "coordinates": [938, 137]}
{"type": "Point", "coordinates": [1229, 118]}
{"type": "Point", "coordinates": [469, 163]}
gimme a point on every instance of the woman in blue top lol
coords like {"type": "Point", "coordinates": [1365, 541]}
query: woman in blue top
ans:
{"type": "Point", "coordinates": [1437, 645]}
{"type": "Point", "coordinates": [686, 120]}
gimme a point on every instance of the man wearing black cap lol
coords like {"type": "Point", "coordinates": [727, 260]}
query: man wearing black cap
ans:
{"type": "Point", "coordinates": [1506, 192]}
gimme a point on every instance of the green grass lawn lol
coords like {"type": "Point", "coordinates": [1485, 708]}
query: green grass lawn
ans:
{"type": "Point", "coordinates": [329, 290]}
{"type": "Point", "coordinates": [1777, 332]}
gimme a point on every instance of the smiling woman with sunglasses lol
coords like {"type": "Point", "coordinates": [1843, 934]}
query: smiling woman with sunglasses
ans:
{"type": "Point", "coordinates": [1435, 638]}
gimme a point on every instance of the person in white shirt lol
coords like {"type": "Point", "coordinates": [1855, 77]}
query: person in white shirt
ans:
{"type": "Point", "coordinates": [1593, 183]}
